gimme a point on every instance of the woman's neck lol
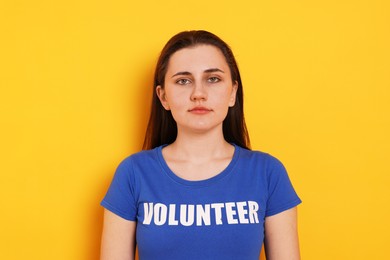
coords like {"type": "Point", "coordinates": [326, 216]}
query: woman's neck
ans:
{"type": "Point", "coordinates": [200, 146]}
{"type": "Point", "coordinates": [198, 156]}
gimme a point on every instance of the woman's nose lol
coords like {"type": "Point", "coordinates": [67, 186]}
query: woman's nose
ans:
{"type": "Point", "coordinates": [199, 92]}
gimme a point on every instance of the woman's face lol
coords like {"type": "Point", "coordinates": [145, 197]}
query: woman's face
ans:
{"type": "Point", "coordinates": [198, 88]}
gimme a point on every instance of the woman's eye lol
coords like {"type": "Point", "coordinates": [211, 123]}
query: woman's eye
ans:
{"type": "Point", "coordinates": [183, 81]}
{"type": "Point", "coordinates": [214, 79]}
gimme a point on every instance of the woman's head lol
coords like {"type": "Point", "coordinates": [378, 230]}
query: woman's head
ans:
{"type": "Point", "coordinates": [162, 127]}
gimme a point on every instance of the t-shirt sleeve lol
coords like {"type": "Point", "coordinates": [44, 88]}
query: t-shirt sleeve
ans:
{"type": "Point", "coordinates": [281, 193]}
{"type": "Point", "coordinates": [120, 197]}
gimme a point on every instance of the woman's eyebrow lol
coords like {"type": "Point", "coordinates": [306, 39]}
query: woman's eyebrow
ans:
{"type": "Point", "coordinates": [186, 73]}
{"type": "Point", "coordinates": [206, 71]}
{"type": "Point", "coordinates": [181, 73]}
{"type": "Point", "coordinates": [214, 70]}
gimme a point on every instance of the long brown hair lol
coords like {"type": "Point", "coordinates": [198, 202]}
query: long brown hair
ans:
{"type": "Point", "coordinates": [162, 128]}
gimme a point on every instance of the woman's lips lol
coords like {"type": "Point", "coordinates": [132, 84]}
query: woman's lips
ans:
{"type": "Point", "coordinates": [199, 110]}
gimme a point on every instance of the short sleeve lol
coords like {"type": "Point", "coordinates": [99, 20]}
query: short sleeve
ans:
{"type": "Point", "coordinates": [120, 197]}
{"type": "Point", "coordinates": [281, 193]}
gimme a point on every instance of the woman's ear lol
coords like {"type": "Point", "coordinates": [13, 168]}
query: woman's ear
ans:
{"type": "Point", "coordinates": [161, 95]}
{"type": "Point", "coordinates": [232, 100]}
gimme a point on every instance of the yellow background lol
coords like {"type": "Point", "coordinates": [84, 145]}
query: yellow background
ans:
{"type": "Point", "coordinates": [76, 80]}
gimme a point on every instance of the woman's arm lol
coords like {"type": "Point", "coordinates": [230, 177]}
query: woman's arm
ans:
{"type": "Point", "coordinates": [118, 239]}
{"type": "Point", "coordinates": [281, 236]}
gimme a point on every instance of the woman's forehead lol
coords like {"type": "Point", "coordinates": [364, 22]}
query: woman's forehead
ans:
{"type": "Point", "coordinates": [197, 58]}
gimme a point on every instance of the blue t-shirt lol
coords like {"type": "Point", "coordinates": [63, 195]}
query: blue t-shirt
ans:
{"type": "Point", "coordinates": [217, 218]}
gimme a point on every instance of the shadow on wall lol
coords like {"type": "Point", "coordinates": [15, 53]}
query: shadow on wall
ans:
{"type": "Point", "coordinates": [262, 254]}
{"type": "Point", "coordinates": [96, 219]}
{"type": "Point", "coordinates": [142, 88]}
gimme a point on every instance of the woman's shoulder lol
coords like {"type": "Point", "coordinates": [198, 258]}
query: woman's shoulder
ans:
{"type": "Point", "coordinates": [260, 156]}
{"type": "Point", "coordinates": [141, 156]}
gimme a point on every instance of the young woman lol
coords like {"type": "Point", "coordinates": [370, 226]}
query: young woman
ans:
{"type": "Point", "coordinates": [197, 191]}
